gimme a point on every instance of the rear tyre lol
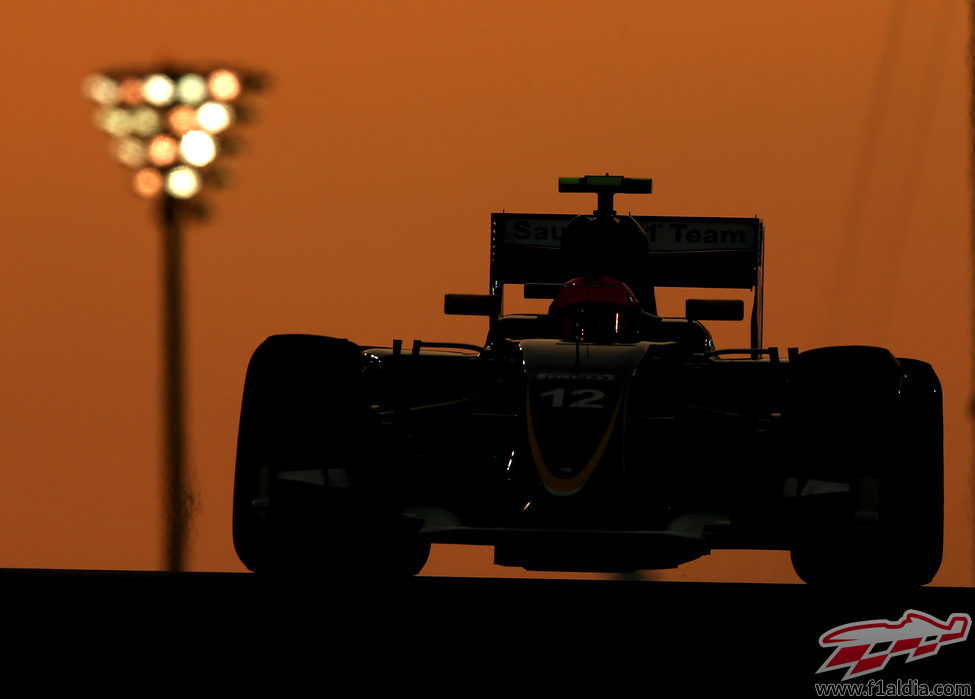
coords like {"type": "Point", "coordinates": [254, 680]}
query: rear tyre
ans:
{"type": "Point", "coordinates": [867, 436]}
{"type": "Point", "coordinates": [307, 497]}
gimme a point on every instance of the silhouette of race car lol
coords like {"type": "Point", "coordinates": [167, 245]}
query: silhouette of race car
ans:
{"type": "Point", "coordinates": [598, 436]}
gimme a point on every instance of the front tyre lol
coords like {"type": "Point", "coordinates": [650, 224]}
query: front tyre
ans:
{"type": "Point", "coordinates": [307, 497]}
{"type": "Point", "coordinates": [867, 437]}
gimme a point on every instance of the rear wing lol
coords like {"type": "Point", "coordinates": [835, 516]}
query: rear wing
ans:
{"type": "Point", "coordinates": [706, 252]}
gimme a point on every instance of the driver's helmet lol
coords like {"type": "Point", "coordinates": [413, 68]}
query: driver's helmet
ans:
{"type": "Point", "coordinates": [597, 309]}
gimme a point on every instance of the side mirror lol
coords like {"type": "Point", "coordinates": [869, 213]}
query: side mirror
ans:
{"type": "Point", "coordinates": [472, 305]}
{"type": "Point", "coordinates": [714, 309]}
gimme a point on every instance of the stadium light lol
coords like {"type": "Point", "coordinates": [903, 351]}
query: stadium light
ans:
{"type": "Point", "coordinates": [166, 126]}
{"type": "Point", "coordinates": [169, 119]}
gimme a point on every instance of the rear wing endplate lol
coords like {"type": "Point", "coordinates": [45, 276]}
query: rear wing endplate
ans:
{"type": "Point", "coordinates": [705, 252]}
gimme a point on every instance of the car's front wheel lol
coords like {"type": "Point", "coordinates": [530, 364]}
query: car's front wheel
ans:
{"type": "Point", "coordinates": [306, 493]}
{"type": "Point", "coordinates": [867, 440]}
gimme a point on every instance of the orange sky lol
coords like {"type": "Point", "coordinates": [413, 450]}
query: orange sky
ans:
{"type": "Point", "coordinates": [392, 131]}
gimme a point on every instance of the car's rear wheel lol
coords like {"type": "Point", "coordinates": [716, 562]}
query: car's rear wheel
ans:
{"type": "Point", "coordinates": [867, 441]}
{"type": "Point", "coordinates": [306, 494]}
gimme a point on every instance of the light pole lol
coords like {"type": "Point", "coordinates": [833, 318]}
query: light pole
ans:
{"type": "Point", "coordinates": [170, 127]}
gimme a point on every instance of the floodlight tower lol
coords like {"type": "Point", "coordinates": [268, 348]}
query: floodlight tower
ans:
{"type": "Point", "coordinates": [171, 127]}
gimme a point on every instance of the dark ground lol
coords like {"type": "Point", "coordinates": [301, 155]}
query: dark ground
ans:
{"type": "Point", "coordinates": [465, 634]}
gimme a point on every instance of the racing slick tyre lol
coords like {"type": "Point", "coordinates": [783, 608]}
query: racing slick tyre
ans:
{"type": "Point", "coordinates": [867, 440]}
{"type": "Point", "coordinates": [306, 496]}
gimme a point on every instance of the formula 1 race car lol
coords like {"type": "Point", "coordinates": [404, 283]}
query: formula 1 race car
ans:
{"type": "Point", "coordinates": [598, 436]}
